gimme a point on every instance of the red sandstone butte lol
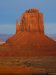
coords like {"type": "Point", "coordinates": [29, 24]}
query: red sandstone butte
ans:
{"type": "Point", "coordinates": [30, 39]}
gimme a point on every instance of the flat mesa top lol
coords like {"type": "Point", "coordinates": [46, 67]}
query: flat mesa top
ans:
{"type": "Point", "coordinates": [32, 10]}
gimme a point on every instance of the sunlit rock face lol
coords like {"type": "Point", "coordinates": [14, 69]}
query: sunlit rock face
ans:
{"type": "Point", "coordinates": [30, 39]}
{"type": "Point", "coordinates": [32, 20]}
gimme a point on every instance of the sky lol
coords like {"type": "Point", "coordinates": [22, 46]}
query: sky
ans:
{"type": "Point", "coordinates": [10, 10]}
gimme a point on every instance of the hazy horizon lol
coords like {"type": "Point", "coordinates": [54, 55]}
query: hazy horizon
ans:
{"type": "Point", "coordinates": [11, 29]}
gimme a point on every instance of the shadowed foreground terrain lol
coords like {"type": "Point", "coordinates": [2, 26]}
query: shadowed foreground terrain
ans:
{"type": "Point", "coordinates": [28, 74]}
{"type": "Point", "coordinates": [34, 65]}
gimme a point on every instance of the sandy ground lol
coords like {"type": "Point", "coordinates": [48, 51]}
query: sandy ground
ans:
{"type": "Point", "coordinates": [28, 65]}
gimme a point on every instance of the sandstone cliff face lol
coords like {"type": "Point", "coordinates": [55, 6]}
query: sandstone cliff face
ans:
{"type": "Point", "coordinates": [32, 20]}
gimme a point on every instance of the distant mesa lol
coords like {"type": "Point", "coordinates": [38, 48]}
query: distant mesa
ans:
{"type": "Point", "coordinates": [30, 39]}
{"type": "Point", "coordinates": [2, 42]}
